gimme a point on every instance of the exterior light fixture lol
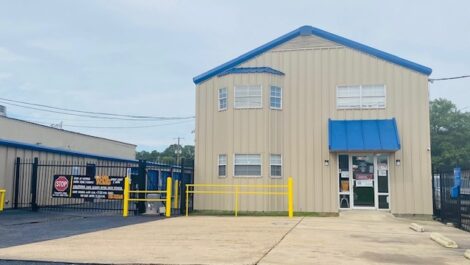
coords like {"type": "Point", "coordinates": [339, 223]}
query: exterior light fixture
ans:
{"type": "Point", "coordinates": [398, 162]}
{"type": "Point", "coordinates": [327, 162]}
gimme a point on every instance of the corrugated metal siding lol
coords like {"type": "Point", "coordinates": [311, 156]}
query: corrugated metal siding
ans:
{"type": "Point", "coordinates": [306, 42]}
{"type": "Point", "coordinates": [300, 130]}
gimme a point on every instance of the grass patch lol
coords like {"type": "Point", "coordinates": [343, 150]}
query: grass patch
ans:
{"type": "Point", "coordinates": [248, 213]}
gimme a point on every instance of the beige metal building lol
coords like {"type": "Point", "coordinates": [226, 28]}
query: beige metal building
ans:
{"type": "Point", "coordinates": [26, 140]}
{"type": "Point", "coordinates": [348, 122]}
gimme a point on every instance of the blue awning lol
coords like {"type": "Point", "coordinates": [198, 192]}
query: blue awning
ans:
{"type": "Point", "coordinates": [363, 135]}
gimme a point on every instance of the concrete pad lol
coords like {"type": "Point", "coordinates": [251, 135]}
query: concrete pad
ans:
{"type": "Point", "coordinates": [361, 238]}
{"type": "Point", "coordinates": [443, 240]}
{"type": "Point", "coordinates": [182, 240]}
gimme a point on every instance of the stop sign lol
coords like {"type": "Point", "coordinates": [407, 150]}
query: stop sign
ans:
{"type": "Point", "coordinates": [61, 183]}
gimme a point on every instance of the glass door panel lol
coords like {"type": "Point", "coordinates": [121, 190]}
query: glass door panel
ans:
{"type": "Point", "coordinates": [383, 181]}
{"type": "Point", "coordinates": [363, 180]}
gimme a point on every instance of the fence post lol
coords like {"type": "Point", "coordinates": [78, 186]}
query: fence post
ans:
{"type": "Point", "coordinates": [17, 181]}
{"type": "Point", "coordinates": [168, 197]}
{"type": "Point", "coordinates": [459, 209]}
{"type": "Point", "coordinates": [34, 182]}
{"type": "Point", "coordinates": [141, 183]}
{"type": "Point", "coordinates": [125, 201]}
{"type": "Point", "coordinates": [442, 198]}
{"type": "Point", "coordinates": [290, 197]}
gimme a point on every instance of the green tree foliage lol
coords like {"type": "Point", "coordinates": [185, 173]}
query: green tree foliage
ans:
{"type": "Point", "coordinates": [450, 135]}
{"type": "Point", "coordinates": [168, 156]}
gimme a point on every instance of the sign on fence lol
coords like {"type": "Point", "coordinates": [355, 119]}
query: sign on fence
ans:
{"type": "Point", "coordinates": [97, 187]}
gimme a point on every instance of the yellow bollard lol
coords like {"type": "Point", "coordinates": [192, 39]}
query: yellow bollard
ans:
{"type": "Point", "coordinates": [290, 197]}
{"type": "Point", "coordinates": [125, 201]}
{"type": "Point", "coordinates": [177, 184]}
{"type": "Point", "coordinates": [2, 199]}
{"type": "Point", "coordinates": [168, 197]}
{"type": "Point", "coordinates": [187, 200]}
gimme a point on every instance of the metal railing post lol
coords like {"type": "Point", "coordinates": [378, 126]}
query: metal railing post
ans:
{"type": "Point", "coordinates": [2, 199]}
{"type": "Point", "coordinates": [290, 197]}
{"type": "Point", "coordinates": [177, 183]}
{"type": "Point", "coordinates": [236, 200]}
{"type": "Point", "coordinates": [125, 207]}
{"type": "Point", "coordinates": [187, 200]}
{"type": "Point", "coordinates": [168, 197]}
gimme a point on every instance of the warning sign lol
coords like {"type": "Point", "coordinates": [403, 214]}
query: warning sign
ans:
{"type": "Point", "coordinates": [97, 187]}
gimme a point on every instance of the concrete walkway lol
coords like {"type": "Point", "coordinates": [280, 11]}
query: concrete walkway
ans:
{"type": "Point", "coordinates": [352, 238]}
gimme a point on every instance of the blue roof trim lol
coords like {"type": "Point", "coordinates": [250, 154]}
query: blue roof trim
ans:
{"type": "Point", "coordinates": [59, 151]}
{"type": "Point", "coordinates": [309, 30]}
{"type": "Point", "coordinates": [363, 135]}
{"type": "Point", "coordinates": [249, 70]}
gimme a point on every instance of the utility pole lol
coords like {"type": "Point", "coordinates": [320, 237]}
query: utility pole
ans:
{"type": "Point", "coordinates": [178, 150]}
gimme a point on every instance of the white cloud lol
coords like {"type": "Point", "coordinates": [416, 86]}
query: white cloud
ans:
{"type": "Point", "coordinates": [8, 56]}
{"type": "Point", "coordinates": [5, 76]}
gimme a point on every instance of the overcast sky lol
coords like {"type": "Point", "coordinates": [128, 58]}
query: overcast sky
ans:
{"type": "Point", "coordinates": [139, 57]}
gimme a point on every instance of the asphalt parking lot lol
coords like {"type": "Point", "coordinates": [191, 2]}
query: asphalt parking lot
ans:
{"type": "Point", "coordinates": [353, 238]}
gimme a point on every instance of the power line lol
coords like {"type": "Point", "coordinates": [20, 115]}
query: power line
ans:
{"type": "Point", "coordinates": [8, 101]}
{"type": "Point", "coordinates": [95, 116]}
{"type": "Point", "coordinates": [448, 78]}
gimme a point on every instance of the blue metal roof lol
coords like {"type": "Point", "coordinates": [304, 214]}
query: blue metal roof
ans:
{"type": "Point", "coordinates": [248, 70]}
{"type": "Point", "coordinates": [305, 31]}
{"type": "Point", "coordinates": [363, 135]}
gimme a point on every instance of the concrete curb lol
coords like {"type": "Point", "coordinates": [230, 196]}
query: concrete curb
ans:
{"type": "Point", "coordinates": [467, 254]}
{"type": "Point", "coordinates": [444, 241]}
{"type": "Point", "coordinates": [416, 227]}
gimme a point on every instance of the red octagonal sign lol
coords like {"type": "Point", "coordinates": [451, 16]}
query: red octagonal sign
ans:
{"type": "Point", "coordinates": [61, 183]}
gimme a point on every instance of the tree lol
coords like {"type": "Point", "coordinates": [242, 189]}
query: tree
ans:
{"type": "Point", "coordinates": [168, 156]}
{"type": "Point", "coordinates": [450, 135]}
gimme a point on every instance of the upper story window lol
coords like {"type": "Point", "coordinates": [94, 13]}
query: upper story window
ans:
{"type": "Point", "coordinates": [248, 97]}
{"type": "Point", "coordinates": [223, 98]}
{"type": "Point", "coordinates": [360, 97]}
{"type": "Point", "coordinates": [222, 165]}
{"type": "Point", "coordinates": [276, 97]}
{"type": "Point", "coordinates": [247, 165]}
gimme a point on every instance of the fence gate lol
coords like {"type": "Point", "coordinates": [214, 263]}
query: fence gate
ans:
{"type": "Point", "coordinates": [83, 186]}
{"type": "Point", "coordinates": [447, 208]}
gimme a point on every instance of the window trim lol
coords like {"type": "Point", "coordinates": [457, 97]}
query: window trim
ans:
{"type": "Point", "coordinates": [218, 165]}
{"type": "Point", "coordinates": [280, 98]}
{"type": "Point", "coordinates": [248, 176]}
{"type": "Point", "coordinates": [361, 97]}
{"type": "Point", "coordinates": [234, 96]}
{"type": "Point", "coordinates": [219, 98]}
{"type": "Point", "coordinates": [270, 170]}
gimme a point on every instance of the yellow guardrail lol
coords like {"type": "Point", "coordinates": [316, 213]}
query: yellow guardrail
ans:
{"type": "Point", "coordinates": [2, 199]}
{"type": "Point", "coordinates": [128, 191]}
{"type": "Point", "coordinates": [237, 190]}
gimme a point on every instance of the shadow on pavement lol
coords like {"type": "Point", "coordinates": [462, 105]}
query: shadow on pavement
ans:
{"type": "Point", "coordinates": [18, 227]}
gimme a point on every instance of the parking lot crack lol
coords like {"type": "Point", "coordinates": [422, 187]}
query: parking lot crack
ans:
{"type": "Point", "coordinates": [279, 241]}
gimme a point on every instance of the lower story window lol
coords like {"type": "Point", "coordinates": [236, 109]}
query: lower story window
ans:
{"type": "Point", "coordinates": [222, 165]}
{"type": "Point", "coordinates": [276, 165]}
{"type": "Point", "coordinates": [247, 165]}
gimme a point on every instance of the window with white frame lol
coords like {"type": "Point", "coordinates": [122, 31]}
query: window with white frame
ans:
{"type": "Point", "coordinates": [223, 98]}
{"type": "Point", "coordinates": [222, 165]}
{"type": "Point", "coordinates": [247, 97]}
{"type": "Point", "coordinates": [360, 97]}
{"type": "Point", "coordinates": [276, 97]}
{"type": "Point", "coordinates": [276, 165]}
{"type": "Point", "coordinates": [247, 165]}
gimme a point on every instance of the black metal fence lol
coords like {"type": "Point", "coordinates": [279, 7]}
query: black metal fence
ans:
{"type": "Point", "coordinates": [34, 182]}
{"type": "Point", "coordinates": [446, 208]}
